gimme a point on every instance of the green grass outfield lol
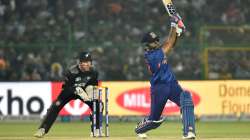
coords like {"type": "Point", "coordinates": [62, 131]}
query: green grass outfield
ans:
{"type": "Point", "coordinates": [125, 131]}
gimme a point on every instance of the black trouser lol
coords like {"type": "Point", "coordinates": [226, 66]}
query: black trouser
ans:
{"type": "Point", "coordinates": [64, 97]}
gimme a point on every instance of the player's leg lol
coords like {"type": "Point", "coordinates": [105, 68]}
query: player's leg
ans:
{"type": "Point", "coordinates": [99, 116]}
{"type": "Point", "coordinates": [175, 93]}
{"type": "Point", "coordinates": [90, 104]}
{"type": "Point", "coordinates": [184, 100]}
{"type": "Point", "coordinates": [188, 118]}
{"type": "Point", "coordinates": [159, 97]}
{"type": "Point", "coordinates": [48, 120]}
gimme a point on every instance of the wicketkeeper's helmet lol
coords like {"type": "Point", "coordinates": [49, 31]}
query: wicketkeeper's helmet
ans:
{"type": "Point", "coordinates": [85, 56]}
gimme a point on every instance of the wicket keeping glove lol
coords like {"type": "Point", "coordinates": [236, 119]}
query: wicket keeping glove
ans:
{"type": "Point", "coordinates": [84, 96]}
{"type": "Point", "coordinates": [176, 21]}
{"type": "Point", "coordinates": [92, 92]}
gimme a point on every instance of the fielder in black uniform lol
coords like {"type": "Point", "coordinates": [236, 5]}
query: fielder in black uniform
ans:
{"type": "Point", "coordinates": [80, 82]}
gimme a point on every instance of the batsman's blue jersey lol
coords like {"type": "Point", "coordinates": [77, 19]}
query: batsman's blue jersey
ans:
{"type": "Point", "coordinates": [159, 67]}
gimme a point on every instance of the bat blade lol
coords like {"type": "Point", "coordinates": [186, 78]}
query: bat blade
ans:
{"type": "Point", "coordinates": [169, 7]}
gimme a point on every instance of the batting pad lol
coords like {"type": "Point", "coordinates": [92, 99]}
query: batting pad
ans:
{"type": "Point", "coordinates": [187, 110]}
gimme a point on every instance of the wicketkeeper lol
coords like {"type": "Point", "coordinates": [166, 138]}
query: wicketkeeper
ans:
{"type": "Point", "coordinates": [80, 83]}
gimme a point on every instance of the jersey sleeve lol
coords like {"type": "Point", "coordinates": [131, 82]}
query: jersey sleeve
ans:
{"type": "Point", "coordinates": [66, 75]}
{"type": "Point", "coordinates": [69, 76]}
{"type": "Point", "coordinates": [67, 79]}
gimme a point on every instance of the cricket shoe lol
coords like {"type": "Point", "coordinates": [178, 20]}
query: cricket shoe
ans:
{"type": "Point", "coordinates": [97, 134]}
{"type": "Point", "coordinates": [190, 135]}
{"type": "Point", "coordinates": [40, 133]}
{"type": "Point", "coordinates": [142, 135]}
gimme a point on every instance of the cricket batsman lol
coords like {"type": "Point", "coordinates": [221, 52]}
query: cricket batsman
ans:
{"type": "Point", "coordinates": [164, 85]}
{"type": "Point", "coordinates": [80, 82]}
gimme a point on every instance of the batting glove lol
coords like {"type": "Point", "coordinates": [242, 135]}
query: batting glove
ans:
{"type": "Point", "coordinates": [176, 21]}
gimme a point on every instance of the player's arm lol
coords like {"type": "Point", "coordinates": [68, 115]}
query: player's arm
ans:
{"type": "Point", "coordinates": [86, 92]}
{"type": "Point", "coordinates": [67, 82]}
{"type": "Point", "coordinates": [177, 28]}
{"type": "Point", "coordinates": [170, 41]}
{"type": "Point", "coordinates": [91, 86]}
{"type": "Point", "coordinates": [69, 76]}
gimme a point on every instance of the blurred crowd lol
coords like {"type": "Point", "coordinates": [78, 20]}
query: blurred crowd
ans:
{"type": "Point", "coordinates": [110, 21]}
{"type": "Point", "coordinates": [113, 63]}
{"type": "Point", "coordinates": [228, 63]}
{"type": "Point", "coordinates": [109, 25]}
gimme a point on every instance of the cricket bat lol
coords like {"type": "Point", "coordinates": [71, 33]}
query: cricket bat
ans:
{"type": "Point", "coordinates": [169, 7]}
